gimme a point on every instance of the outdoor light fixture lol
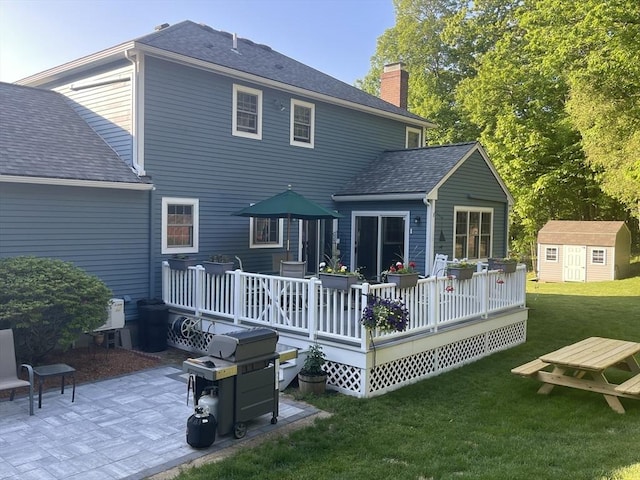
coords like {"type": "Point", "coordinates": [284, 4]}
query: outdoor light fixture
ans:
{"type": "Point", "coordinates": [416, 220]}
{"type": "Point", "coordinates": [442, 239]}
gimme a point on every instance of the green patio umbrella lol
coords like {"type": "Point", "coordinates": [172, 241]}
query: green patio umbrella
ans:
{"type": "Point", "coordinates": [288, 204]}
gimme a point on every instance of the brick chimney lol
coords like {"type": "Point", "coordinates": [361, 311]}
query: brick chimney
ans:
{"type": "Point", "coordinates": [394, 85]}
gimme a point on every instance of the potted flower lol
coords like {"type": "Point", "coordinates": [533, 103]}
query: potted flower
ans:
{"type": "Point", "coordinates": [461, 270]}
{"type": "Point", "coordinates": [384, 314]}
{"type": "Point", "coordinates": [180, 262]}
{"type": "Point", "coordinates": [507, 264]}
{"type": "Point", "coordinates": [312, 378]}
{"type": "Point", "coordinates": [403, 274]}
{"type": "Point", "coordinates": [218, 264]}
{"type": "Point", "coordinates": [334, 274]}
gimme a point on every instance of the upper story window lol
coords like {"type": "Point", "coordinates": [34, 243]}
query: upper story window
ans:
{"type": "Point", "coordinates": [302, 123]}
{"type": "Point", "coordinates": [473, 232]}
{"type": "Point", "coordinates": [180, 225]}
{"type": "Point", "coordinates": [551, 254]}
{"type": "Point", "coordinates": [265, 232]}
{"type": "Point", "coordinates": [598, 256]}
{"type": "Point", "coordinates": [247, 112]}
{"type": "Point", "coordinates": [414, 138]}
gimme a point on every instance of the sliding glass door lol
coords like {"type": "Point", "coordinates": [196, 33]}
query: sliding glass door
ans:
{"type": "Point", "coordinates": [380, 240]}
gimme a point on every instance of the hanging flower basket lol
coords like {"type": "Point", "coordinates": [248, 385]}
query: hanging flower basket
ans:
{"type": "Point", "coordinates": [337, 281]}
{"type": "Point", "coordinates": [385, 314]}
{"type": "Point", "coordinates": [403, 280]}
{"type": "Point", "coordinates": [217, 268]}
{"type": "Point", "coordinates": [507, 266]}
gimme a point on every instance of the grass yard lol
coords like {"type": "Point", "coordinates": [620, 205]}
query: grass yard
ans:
{"type": "Point", "coordinates": [479, 421]}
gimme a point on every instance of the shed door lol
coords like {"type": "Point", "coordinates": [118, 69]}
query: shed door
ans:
{"type": "Point", "coordinates": [574, 263]}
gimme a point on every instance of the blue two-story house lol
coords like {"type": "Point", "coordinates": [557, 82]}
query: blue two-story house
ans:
{"type": "Point", "coordinates": [194, 124]}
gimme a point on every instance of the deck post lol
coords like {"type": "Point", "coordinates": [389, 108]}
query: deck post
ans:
{"type": "Point", "coordinates": [364, 346]}
{"type": "Point", "coordinates": [239, 294]}
{"type": "Point", "coordinates": [312, 309]}
{"type": "Point", "coordinates": [166, 281]}
{"type": "Point", "coordinates": [199, 289]}
{"type": "Point", "coordinates": [484, 294]}
{"type": "Point", "coordinates": [433, 304]}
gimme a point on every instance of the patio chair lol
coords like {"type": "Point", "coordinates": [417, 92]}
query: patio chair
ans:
{"type": "Point", "coordinates": [9, 370]}
{"type": "Point", "coordinates": [293, 269]}
{"type": "Point", "coordinates": [439, 265]}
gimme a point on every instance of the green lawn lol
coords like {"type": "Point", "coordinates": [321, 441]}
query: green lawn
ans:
{"type": "Point", "coordinates": [479, 421]}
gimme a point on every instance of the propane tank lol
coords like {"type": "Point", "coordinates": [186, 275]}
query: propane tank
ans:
{"type": "Point", "coordinates": [209, 401]}
{"type": "Point", "coordinates": [201, 428]}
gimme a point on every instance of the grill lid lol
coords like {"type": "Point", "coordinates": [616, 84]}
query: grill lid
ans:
{"type": "Point", "coordinates": [243, 344]}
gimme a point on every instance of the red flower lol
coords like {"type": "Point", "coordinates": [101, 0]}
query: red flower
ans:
{"type": "Point", "coordinates": [412, 264]}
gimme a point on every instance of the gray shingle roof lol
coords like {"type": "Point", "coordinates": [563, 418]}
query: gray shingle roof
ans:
{"type": "Point", "coordinates": [417, 170]}
{"type": "Point", "coordinates": [205, 43]}
{"type": "Point", "coordinates": [42, 136]}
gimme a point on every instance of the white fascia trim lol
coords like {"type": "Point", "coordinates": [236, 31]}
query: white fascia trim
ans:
{"type": "Point", "coordinates": [375, 198]}
{"type": "Point", "coordinates": [230, 72]}
{"type": "Point", "coordinates": [104, 56]}
{"type": "Point", "coordinates": [68, 182]}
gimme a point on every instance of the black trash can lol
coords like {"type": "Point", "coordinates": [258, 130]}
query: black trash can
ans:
{"type": "Point", "coordinates": [153, 321]}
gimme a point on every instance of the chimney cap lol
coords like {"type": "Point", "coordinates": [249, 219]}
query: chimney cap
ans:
{"type": "Point", "coordinates": [392, 67]}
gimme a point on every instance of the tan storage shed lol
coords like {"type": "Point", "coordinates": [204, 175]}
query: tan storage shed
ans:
{"type": "Point", "coordinates": [575, 251]}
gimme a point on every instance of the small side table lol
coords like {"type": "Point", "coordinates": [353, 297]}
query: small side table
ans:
{"type": "Point", "coordinates": [56, 370]}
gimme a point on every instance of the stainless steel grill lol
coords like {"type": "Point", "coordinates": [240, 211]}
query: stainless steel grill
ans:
{"type": "Point", "coordinates": [241, 368]}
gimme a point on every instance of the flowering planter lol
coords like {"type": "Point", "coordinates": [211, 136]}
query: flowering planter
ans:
{"type": "Point", "coordinates": [403, 280]}
{"type": "Point", "coordinates": [465, 273]}
{"type": "Point", "coordinates": [217, 268]}
{"type": "Point", "coordinates": [181, 263]}
{"type": "Point", "coordinates": [506, 267]}
{"type": "Point", "coordinates": [338, 282]}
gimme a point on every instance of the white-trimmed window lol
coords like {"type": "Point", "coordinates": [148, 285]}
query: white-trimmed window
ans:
{"type": "Point", "coordinates": [473, 232]}
{"type": "Point", "coordinates": [413, 138]}
{"type": "Point", "coordinates": [302, 123]}
{"type": "Point", "coordinates": [551, 254]}
{"type": "Point", "coordinates": [598, 256]}
{"type": "Point", "coordinates": [180, 225]}
{"type": "Point", "coordinates": [247, 112]}
{"type": "Point", "coordinates": [265, 232]}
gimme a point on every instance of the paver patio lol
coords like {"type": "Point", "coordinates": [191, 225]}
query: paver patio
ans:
{"type": "Point", "coordinates": [129, 427]}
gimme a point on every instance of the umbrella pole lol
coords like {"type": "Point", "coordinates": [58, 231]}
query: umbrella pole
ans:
{"type": "Point", "coordinates": [288, 235]}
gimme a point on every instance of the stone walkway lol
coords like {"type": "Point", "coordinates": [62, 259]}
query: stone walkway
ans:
{"type": "Point", "coordinates": [130, 427]}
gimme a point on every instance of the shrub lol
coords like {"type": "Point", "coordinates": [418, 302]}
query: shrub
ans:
{"type": "Point", "coordinates": [48, 302]}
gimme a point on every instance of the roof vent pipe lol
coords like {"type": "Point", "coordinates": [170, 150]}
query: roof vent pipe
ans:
{"type": "Point", "coordinates": [235, 42]}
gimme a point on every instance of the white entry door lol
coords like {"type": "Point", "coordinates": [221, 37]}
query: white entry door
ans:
{"type": "Point", "coordinates": [574, 263]}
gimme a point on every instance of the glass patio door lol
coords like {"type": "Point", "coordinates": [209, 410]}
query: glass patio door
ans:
{"type": "Point", "coordinates": [316, 238]}
{"type": "Point", "coordinates": [380, 241]}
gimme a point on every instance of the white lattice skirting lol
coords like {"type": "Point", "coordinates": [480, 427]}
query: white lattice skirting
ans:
{"type": "Point", "coordinates": [403, 371]}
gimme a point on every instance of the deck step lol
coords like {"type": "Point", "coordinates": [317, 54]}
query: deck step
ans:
{"type": "Point", "coordinates": [530, 368]}
{"type": "Point", "coordinates": [631, 386]}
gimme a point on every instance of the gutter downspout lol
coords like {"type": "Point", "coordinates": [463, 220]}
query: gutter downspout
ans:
{"type": "Point", "coordinates": [137, 155]}
{"type": "Point", "coordinates": [429, 237]}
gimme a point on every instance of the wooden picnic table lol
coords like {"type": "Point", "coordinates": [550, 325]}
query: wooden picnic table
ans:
{"type": "Point", "coordinates": [583, 364]}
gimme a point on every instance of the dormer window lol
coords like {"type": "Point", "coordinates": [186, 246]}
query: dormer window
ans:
{"type": "Point", "coordinates": [247, 112]}
{"type": "Point", "coordinates": [302, 123]}
{"type": "Point", "coordinates": [414, 138]}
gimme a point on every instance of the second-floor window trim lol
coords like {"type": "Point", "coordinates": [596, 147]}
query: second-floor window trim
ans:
{"type": "Point", "coordinates": [302, 123]}
{"type": "Point", "coordinates": [247, 112]}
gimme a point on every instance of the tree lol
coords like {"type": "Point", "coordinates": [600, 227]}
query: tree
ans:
{"type": "Point", "coordinates": [48, 302]}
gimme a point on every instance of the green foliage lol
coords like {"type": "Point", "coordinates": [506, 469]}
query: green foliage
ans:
{"type": "Point", "coordinates": [316, 358]}
{"type": "Point", "coordinates": [48, 302]}
{"type": "Point", "coordinates": [549, 87]}
{"type": "Point", "coordinates": [475, 422]}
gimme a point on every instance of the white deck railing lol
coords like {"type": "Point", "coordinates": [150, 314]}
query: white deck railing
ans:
{"type": "Point", "coordinates": [303, 307]}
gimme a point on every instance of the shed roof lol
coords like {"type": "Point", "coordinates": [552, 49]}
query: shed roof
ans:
{"type": "Point", "coordinates": [574, 232]}
{"type": "Point", "coordinates": [42, 136]}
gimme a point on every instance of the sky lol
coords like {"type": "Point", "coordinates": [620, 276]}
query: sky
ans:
{"type": "Point", "coordinates": [337, 37]}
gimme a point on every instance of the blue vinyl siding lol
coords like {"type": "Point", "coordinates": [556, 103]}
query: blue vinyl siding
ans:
{"type": "Point", "coordinates": [473, 184]}
{"type": "Point", "coordinates": [103, 231]}
{"type": "Point", "coordinates": [190, 152]}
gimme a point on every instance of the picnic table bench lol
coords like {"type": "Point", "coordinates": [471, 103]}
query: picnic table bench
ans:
{"type": "Point", "coordinates": [582, 365]}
